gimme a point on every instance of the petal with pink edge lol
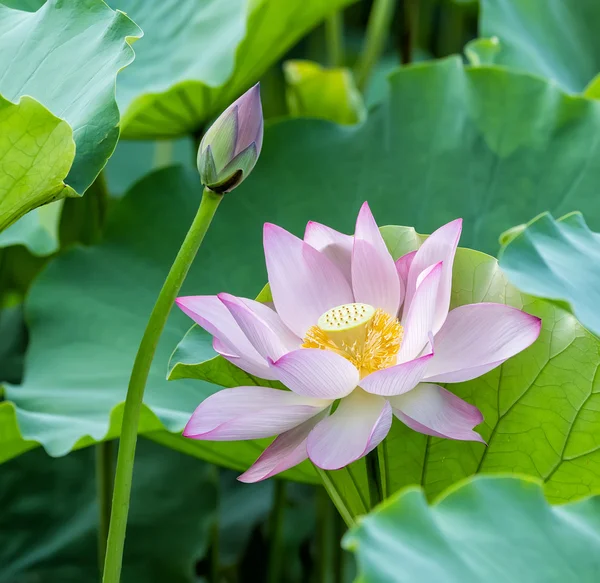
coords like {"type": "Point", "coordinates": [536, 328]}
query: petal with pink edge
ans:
{"type": "Point", "coordinates": [432, 410]}
{"type": "Point", "coordinates": [476, 338]}
{"type": "Point", "coordinates": [273, 319]}
{"type": "Point", "coordinates": [250, 413]}
{"type": "Point", "coordinates": [398, 379]}
{"type": "Point", "coordinates": [439, 246]}
{"type": "Point", "coordinates": [286, 451]}
{"type": "Point", "coordinates": [418, 321]}
{"type": "Point", "coordinates": [316, 373]}
{"type": "Point", "coordinates": [375, 280]}
{"type": "Point", "coordinates": [333, 244]}
{"type": "Point", "coordinates": [304, 282]}
{"type": "Point", "coordinates": [210, 313]}
{"type": "Point", "coordinates": [403, 266]}
{"type": "Point", "coordinates": [262, 371]}
{"type": "Point", "coordinates": [265, 331]}
{"type": "Point", "coordinates": [357, 426]}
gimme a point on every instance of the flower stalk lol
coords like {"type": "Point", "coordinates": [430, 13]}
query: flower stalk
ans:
{"type": "Point", "coordinates": [104, 491]}
{"type": "Point", "coordinates": [334, 36]}
{"type": "Point", "coordinates": [378, 27]}
{"type": "Point", "coordinates": [376, 495]}
{"type": "Point", "coordinates": [276, 532]}
{"type": "Point", "coordinates": [139, 377]}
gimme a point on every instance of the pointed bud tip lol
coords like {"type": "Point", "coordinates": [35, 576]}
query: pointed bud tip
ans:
{"type": "Point", "coordinates": [231, 146]}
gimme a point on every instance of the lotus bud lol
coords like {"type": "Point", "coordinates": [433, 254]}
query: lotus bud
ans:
{"type": "Point", "coordinates": [231, 146]}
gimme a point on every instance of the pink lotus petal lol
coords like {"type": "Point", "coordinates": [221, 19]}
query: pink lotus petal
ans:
{"type": "Point", "coordinates": [223, 349]}
{"type": "Point", "coordinates": [398, 379]}
{"type": "Point", "coordinates": [403, 266]}
{"type": "Point", "coordinates": [268, 314]}
{"type": "Point", "coordinates": [249, 120]}
{"type": "Point", "coordinates": [357, 426]}
{"type": "Point", "coordinates": [262, 326]}
{"type": "Point", "coordinates": [375, 280]}
{"type": "Point", "coordinates": [304, 282]}
{"type": "Point", "coordinates": [477, 338]}
{"type": "Point", "coordinates": [316, 373]}
{"type": "Point", "coordinates": [261, 371]}
{"type": "Point", "coordinates": [286, 451]}
{"type": "Point", "coordinates": [258, 371]}
{"type": "Point", "coordinates": [432, 410]}
{"type": "Point", "coordinates": [418, 321]}
{"type": "Point", "coordinates": [250, 413]}
{"type": "Point", "coordinates": [212, 315]}
{"type": "Point", "coordinates": [333, 244]}
{"type": "Point", "coordinates": [440, 246]}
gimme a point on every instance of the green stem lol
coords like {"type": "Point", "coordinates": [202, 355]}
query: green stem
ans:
{"type": "Point", "coordinates": [374, 478]}
{"type": "Point", "coordinates": [451, 36]}
{"type": "Point", "coordinates": [276, 532]}
{"type": "Point", "coordinates": [336, 497]}
{"type": "Point", "coordinates": [340, 558]}
{"type": "Point", "coordinates": [324, 537]}
{"type": "Point", "coordinates": [378, 27]}
{"type": "Point", "coordinates": [139, 376]}
{"type": "Point", "coordinates": [215, 564]}
{"type": "Point", "coordinates": [409, 30]}
{"type": "Point", "coordinates": [105, 452]}
{"type": "Point", "coordinates": [334, 36]}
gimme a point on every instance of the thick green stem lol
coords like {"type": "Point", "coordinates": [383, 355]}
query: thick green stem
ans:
{"type": "Point", "coordinates": [378, 28]}
{"type": "Point", "coordinates": [276, 532]}
{"type": "Point", "coordinates": [409, 30]}
{"type": "Point", "coordinates": [340, 556]}
{"type": "Point", "coordinates": [325, 534]}
{"type": "Point", "coordinates": [334, 36]}
{"type": "Point", "coordinates": [105, 452]}
{"type": "Point", "coordinates": [336, 497]}
{"type": "Point", "coordinates": [374, 478]}
{"type": "Point", "coordinates": [139, 376]}
{"type": "Point", "coordinates": [215, 563]}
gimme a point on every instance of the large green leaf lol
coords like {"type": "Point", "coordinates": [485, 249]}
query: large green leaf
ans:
{"type": "Point", "coordinates": [169, 91]}
{"type": "Point", "coordinates": [492, 529]}
{"type": "Point", "coordinates": [557, 260]}
{"type": "Point", "coordinates": [78, 366]}
{"type": "Point", "coordinates": [418, 161]}
{"type": "Point", "coordinates": [66, 56]}
{"type": "Point", "coordinates": [36, 152]}
{"type": "Point", "coordinates": [48, 525]}
{"type": "Point", "coordinates": [557, 39]}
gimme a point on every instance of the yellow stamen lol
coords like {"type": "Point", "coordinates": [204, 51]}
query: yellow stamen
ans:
{"type": "Point", "coordinates": [370, 339]}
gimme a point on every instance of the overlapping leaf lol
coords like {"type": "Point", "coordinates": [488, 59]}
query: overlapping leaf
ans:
{"type": "Point", "coordinates": [556, 39]}
{"type": "Point", "coordinates": [557, 260]}
{"type": "Point", "coordinates": [418, 161]}
{"type": "Point", "coordinates": [313, 91]}
{"type": "Point", "coordinates": [492, 529]}
{"type": "Point", "coordinates": [169, 91]}
{"type": "Point", "coordinates": [36, 153]}
{"type": "Point", "coordinates": [61, 63]}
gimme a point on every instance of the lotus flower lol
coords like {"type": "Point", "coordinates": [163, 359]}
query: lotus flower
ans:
{"type": "Point", "coordinates": [357, 339]}
{"type": "Point", "coordinates": [231, 146]}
